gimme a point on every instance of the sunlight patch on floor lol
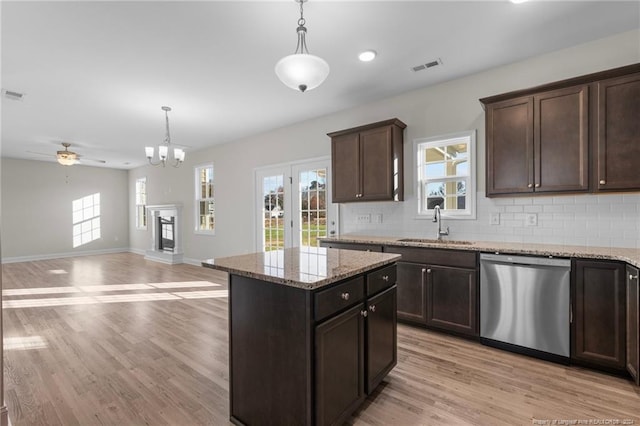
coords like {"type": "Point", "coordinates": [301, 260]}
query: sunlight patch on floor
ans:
{"type": "Point", "coordinates": [24, 343]}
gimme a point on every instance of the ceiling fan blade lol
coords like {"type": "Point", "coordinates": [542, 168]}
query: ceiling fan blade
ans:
{"type": "Point", "coordinates": [83, 158]}
{"type": "Point", "coordinates": [41, 153]}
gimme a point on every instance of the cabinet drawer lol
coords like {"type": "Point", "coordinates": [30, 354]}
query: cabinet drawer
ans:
{"type": "Point", "coordinates": [350, 246]}
{"type": "Point", "coordinates": [381, 279]}
{"type": "Point", "coordinates": [334, 299]}
{"type": "Point", "coordinates": [431, 256]}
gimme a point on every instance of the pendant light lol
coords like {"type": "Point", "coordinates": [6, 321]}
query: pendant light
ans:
{"type": "Point", "coordinates": [163, 150]}
{"type": "Point", "coordinates": [302, 71]}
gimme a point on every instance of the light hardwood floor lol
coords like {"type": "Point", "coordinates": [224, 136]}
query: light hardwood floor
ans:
{"type": "Point", "coordinates": [117, 340]}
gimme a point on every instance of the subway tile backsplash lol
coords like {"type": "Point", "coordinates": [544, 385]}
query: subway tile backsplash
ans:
{"type": "Point", "coordinates": [605, 220]}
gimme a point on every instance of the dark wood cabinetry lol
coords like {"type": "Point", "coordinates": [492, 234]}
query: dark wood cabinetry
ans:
{"type": "Point", "coordinates": [571, 136]}
{"type": "Point", "coordinates": [538, 143]}
{"type": "Point", "coordinates": [351, 246]}
{"type": "Point", "coordinates": [633, 324]}
{"type": "Point", "coordinates": [618, 134]}
{"type": "Point", "coordinates": [367, 162]}
{"type": "Point", "coordinates": [598, 335]}
{"type": "Point", "coordinates": [438, 288]}
{"type": "Point", "coordinates": [452, 299]}
{"type": "Point", "coordinates": [355, 349]}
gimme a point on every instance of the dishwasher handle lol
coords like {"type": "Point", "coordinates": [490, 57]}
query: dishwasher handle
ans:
{"type": "Point", "coordinates": [524, 260]}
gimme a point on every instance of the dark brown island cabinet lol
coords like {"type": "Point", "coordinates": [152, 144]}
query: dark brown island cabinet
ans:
{"type": "Point", "coordinates": [572, 136]}
{"type": "Point", "coordinates": [598, 315]}
{"type": "Point", "coordinates": [305, 350]}
{"type": "Point", "coordinates": [367, 162]}
{"type": "Point", "coordinates": [633, 324]}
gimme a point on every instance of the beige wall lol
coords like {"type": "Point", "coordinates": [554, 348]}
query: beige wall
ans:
{"type": "Point", "coordinates": [37, 201]}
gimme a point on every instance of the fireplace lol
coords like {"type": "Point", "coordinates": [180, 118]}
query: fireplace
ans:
{"type": "Point", "coordinates": [166, 233]}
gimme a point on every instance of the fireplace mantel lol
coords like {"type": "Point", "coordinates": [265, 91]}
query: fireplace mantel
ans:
{"type": "Point", "coordinates": [154, 253]}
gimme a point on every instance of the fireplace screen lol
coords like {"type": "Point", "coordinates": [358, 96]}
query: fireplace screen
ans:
{"type": "Point", "coordinates": [167, 241]}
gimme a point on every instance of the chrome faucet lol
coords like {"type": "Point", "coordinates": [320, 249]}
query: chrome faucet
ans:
{"type": "Point", "coordinates": [438, 218]}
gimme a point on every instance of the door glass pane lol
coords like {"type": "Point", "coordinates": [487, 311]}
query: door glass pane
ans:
{"type": "Point", "coordinates": [313, 206]}
{"type": "Point", "coordinates": [273, 212]}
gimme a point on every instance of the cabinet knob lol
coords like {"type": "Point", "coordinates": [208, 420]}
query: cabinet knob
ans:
{"type": "Point", "coordinates": [428, 271]}
{"type": "Point", "coordinates": [530, 185]}
{"type": "Point", "coordinates": [385, 278]}
{"type": "Point", "coordinates": [603, 182]}
{"type": "Point", "coordinates": [344, 296]}
{"type": "Point", "coordinates": [372, 308]}
{"type": "Point", "coordinates": [537, 185]}
{"type": "Point", "coordinates": [364, 313]}
{"type": "Point", "coordinates": [633, 277]}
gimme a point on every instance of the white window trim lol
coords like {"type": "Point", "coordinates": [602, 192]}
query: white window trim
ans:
{"type": "Point", "coordinates": [196, 210]}
{"type": "Point", "coordinates": [470, 212]}
{"type": "Point", "coordinates": [141, 228]}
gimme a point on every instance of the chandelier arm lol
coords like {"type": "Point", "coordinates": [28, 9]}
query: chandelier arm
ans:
{"type": "Point", "coordinates": [156, 164]}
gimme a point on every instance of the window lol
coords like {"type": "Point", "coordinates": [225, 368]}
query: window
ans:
{"type": "Point", "coordinates": [205, 204]}
{"type": "Point", "coordinates": [86, 219]}
{"type": "Point", "coordinates": [141, 203]}
{"type": "Point", "coordinates": [446, 174]}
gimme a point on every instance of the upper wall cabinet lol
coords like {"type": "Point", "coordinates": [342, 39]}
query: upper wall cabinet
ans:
{"type": "Point", "coordinates": [538, 140]}
{"type": "Point", "coordinates": [367, 162]}
{"type": "Point", "coordinates": [618, 135]}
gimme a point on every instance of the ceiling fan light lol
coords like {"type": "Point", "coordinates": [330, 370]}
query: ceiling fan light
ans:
{"type": "Point", "coordinates": [66, 160]}
{"type": "Point", "coordinates": [302, 71]}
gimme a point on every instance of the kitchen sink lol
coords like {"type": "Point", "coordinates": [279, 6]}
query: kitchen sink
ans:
{"type": "Point", "coordinates": [434, 241]}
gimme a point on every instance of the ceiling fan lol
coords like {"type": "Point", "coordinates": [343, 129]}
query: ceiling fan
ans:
{"type": "Point", "coordinates": [68, 158]}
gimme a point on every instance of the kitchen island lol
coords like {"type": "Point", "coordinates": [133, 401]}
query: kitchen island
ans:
{"type": "Point", "coordinates": [312, 331]}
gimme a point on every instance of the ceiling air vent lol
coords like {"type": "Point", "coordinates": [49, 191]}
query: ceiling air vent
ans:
{"type": "Point", "coordinates": [14, 96]}
{"type": "Point", "coordinates": [430, 64]}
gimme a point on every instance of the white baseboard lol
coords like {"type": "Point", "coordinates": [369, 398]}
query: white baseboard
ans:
{"type": "Point", "coordinates": [191, 261]}
{"type": "Point", "coordinates": [48, 256]}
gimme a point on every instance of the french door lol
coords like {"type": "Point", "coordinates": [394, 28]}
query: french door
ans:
{"type": "Point", "coordinates": [293, 205]}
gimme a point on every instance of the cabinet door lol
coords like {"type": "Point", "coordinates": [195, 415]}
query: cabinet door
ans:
{"type": "Point", "coordinates": [339, 366]}
{"type": "Point", "coordinates": [633, 324]}
{"type": "Point", "coordinates": [510, 146]}
{"type": "Point", "coordinates": [376, 150]}
{"type": "Point", "coordinates": [561, 140]}
{"type": "Point", "coordinates": [599, 321]}
{"type": "Point", "coordinates": [382, 345]}
{"type": "Point", "coordinates": [452, 299]}
{"type": "Point", "coordinates": [345, 164]}
{"type": "Point", "coordinates": [618, 136]}
{"type": "Point", "coordinates": [412, 286]}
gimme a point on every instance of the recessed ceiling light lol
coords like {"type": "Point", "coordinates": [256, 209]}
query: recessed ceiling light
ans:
{"type": "Point", "coordinates": [367, 55]}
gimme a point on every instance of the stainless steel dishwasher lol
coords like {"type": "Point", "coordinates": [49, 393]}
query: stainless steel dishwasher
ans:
{"type": "Point", "coordinates": [525, 304]}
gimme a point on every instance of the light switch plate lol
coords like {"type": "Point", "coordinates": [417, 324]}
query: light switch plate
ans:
{"type": "Point", "coordinates": [494, 219]}
{"type": "Point", "coordinates": [376, 218]}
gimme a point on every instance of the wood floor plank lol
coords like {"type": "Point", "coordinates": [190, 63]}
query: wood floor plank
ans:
{"type": "Point", "coordinates": [140, 361]}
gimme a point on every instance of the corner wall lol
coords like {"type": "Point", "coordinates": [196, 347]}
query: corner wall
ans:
{"type": "Point", "coordinates": [37, 199]}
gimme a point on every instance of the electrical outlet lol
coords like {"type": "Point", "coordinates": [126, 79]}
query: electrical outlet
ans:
{"type": "Point", "coordinates": [363, 218]}
{"type": "Point", "coordinates": [494, 219]}
{"type": "Point", "coordinates": [531, 219]}
{"type": "Point", "coordinates": [376, 218]}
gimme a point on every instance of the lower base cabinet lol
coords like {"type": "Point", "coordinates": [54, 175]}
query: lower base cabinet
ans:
{"type": "Point", "coordinates": [633, 324]}
{"type": "Point", "coordinates": [412, 292]}
{"type": "Point", "coordinates": [452, 302]}
{"type": "Point", "coordinates": [599, 329]}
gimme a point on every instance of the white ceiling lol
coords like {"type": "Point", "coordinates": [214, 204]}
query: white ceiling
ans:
{"type": "Point", "coordinates": [95, 74]}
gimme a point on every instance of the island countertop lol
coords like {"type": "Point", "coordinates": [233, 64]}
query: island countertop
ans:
{"type": "Point", "coordinates": [308, 268]}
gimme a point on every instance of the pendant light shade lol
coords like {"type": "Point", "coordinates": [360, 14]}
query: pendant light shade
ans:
{"type": "Point", "coordinates": [302, 71]}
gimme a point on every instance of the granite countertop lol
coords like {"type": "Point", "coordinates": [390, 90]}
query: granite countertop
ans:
{"type": "Point", "coordinates": [629, 255]}
{"type": "Point", "coordinates": [308, 268]}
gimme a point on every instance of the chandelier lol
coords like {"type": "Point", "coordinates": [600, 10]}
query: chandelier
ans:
{"type": "Point", "coordinates": [302, 71]}
{"type": "Point", "coordinates": [163, 150]}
